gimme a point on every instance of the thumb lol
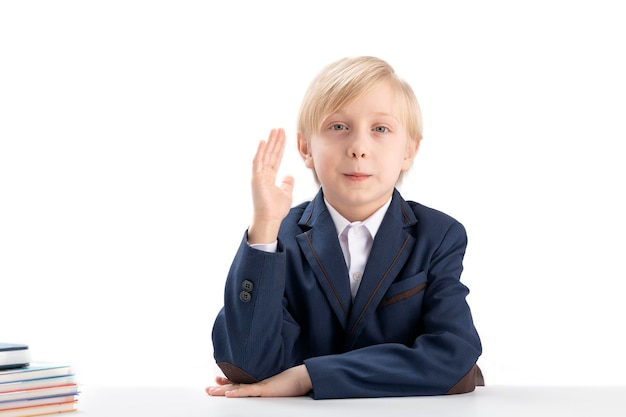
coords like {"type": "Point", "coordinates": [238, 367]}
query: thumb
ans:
{"type": "Point", "coordinates": [287, 184]}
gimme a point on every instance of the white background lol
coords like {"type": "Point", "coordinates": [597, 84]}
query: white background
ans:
{"type": "Point", "coordinates": [127, 130]}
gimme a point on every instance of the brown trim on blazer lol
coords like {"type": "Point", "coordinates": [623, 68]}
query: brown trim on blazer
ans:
{"type": "Point", "coordinates": [403, 295]}
{"type": "Point", "coordinates": [330, 281]}
{"type": "Point", "coordinates": [235, 374]}
{"type": "Point", "coordinates": [474, 378]}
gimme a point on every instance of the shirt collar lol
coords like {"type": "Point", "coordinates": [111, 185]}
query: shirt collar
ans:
{"type": "Point", "coordinates": [372, 223]}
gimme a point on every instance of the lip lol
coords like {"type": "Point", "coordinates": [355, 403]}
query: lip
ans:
{"type": "Point", "coordinates": [357, 176]}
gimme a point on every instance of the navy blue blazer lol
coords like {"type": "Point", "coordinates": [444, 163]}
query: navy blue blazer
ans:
{"type": "Point", "coordinates": [409, 330]}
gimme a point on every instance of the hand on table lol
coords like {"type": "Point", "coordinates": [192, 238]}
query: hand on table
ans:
{"type": "Point", "coordinates": [293, 382]}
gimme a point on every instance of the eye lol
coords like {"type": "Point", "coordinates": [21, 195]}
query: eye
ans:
{"type": "Point", "coordinates": [338, 126]}
{"type": "Point", "coordinates": [381, 129]}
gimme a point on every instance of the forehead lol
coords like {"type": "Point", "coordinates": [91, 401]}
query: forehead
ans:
{"type": "Point", "coordinates": [381, 98]}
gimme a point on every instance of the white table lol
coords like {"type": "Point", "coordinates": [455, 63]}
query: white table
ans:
{"type": "Point", "coordinates": [496, 401]}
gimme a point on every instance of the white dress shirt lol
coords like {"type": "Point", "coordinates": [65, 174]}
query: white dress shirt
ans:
{"type": "Point", "coordinates": [356, 240]}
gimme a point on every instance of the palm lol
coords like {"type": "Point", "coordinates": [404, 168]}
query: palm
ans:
{"type": "Point", "coordinates": [271, 202]}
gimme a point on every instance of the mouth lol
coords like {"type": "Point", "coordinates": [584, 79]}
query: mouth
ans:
{"type": "Point", "coordinates": [357, 176]}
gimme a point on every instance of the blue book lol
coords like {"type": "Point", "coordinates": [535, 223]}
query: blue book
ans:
{"type": "Point", "coordinates": [35, 370]}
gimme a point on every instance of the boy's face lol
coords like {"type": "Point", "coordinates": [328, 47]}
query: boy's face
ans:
{"type": "Point", "coordinates": [359, 153]}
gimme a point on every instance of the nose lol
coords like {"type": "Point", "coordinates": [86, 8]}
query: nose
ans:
{"type": "Point", "coordinates": [358, 146]}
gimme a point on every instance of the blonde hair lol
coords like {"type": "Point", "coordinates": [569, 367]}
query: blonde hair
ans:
{"type": "Point", "coordinates": [347, 79]}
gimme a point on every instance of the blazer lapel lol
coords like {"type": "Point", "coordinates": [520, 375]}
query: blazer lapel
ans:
{"type": "Point", "coordinates": [320, 246]}
{"type": "Point", "coordinates": [392, 247]}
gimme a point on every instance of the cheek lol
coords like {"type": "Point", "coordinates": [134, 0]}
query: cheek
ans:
{"type": "Point", "coordinates": [320, 165]}
{"type": "Point", "coordinates": [395, 164]}
{"type": "Point", "coordinates": [325, 167]}
{"type": "Point", "coordinates": [322, 158]}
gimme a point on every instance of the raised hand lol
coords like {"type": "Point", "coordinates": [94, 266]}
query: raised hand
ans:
{"type": "Point", "coordinates": [271, 202]}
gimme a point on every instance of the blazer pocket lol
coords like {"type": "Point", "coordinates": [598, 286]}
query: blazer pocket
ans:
{"type": "Point", "coordinates": [404, 289]}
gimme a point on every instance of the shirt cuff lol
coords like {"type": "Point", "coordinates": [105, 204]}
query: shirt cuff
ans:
{"type": "Point", "coordinates": [265, 247]}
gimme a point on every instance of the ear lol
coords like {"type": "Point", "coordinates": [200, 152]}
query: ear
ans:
{"type": "Point", "coordinates": [305, 151]}
{"type": "Point", "coordinates": [411, 151]}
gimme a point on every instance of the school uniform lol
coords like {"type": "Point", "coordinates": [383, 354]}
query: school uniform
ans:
{"type": "Point", "coordinates": [407, 331]}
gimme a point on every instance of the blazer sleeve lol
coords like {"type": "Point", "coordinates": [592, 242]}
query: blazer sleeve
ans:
{"type": "Point", "coordinates": [254, 336]}
{"type": "Point", "coordinates": [440, 360]}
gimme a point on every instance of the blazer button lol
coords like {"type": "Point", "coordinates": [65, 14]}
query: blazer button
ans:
{"type": "Point", "coordinates": [245, 296]}
{"type": "Point", "coordinates": [247, 285]}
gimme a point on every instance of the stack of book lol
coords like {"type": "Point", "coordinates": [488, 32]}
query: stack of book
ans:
{"type": "Point", "coordinates": [34, 388]}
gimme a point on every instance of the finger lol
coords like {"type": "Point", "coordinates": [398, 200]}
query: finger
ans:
{"type": "Point", "coordinates": [257, 162]}
{"type": "Point", "coordinates": [280, 148]}
{"type": "Point", "coordinates": [252, 390]}
{"type": "Point", "coordinates": [220, 390]}
{"type": "Point", "coordinates": [215, 391]}
{"type": "Point", "coordinates": [269, 153]}
{"type": "Point", "coordinates": [222, 381]}
{"type": "Point", "coordinates": [268, 160]}
{"type": "Point", "coordinates": [287, 184]}
{"type": "Point", "coordinates": [276, 149]}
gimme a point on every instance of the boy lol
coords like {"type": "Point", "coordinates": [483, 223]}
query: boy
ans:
{"type": "Point", "coordinates": [356, 293]}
